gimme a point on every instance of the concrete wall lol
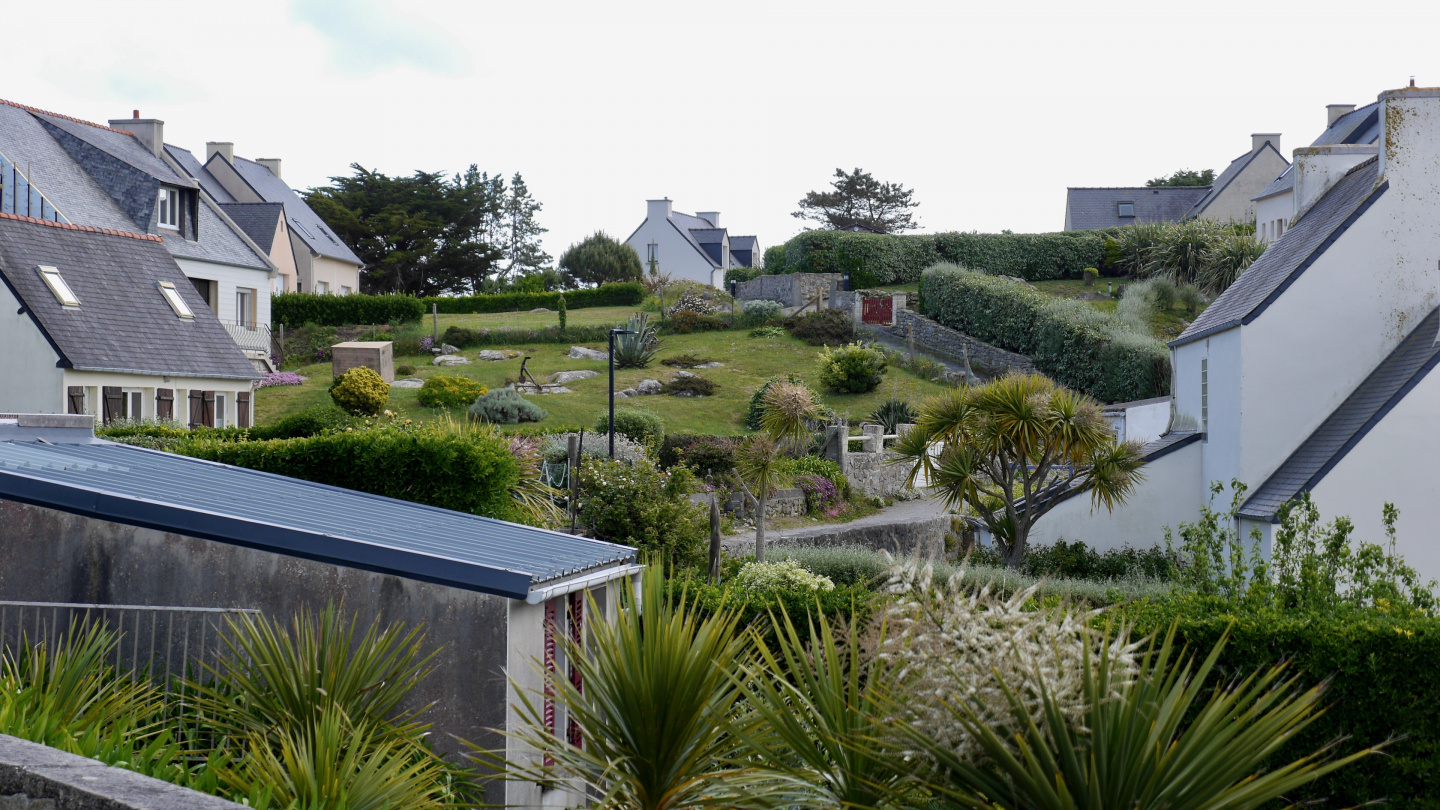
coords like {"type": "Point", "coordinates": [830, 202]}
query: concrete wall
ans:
{"type": "Point", "coordinates": [942, 341]}
{"type": "Point", "coordinates": [1273, 215]}
{"type": "Point", "coordinates": [29, 379]}
{"type": "Point", "coordinates": [36, 777]}
{"type": "Point", "coordinates": [1235, 202]}
{"type": "Point", "coordinates": [282, 253]}
{"type": "Point", "coordinates": [1141, 422]}
{"type": "Point", "coordinates": [784, 503]}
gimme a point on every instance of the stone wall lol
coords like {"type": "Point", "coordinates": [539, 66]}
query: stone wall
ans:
{"type": "Point", "coordinates": [784, 503]}
{"type": "Point", "coordinates": [36, 777]}
{"type": "Point", "coordinates": [926, 537]}
{"type": "Point", "coordinates": [871, 474]}
{"type": "Point", "coordinates": [946, 343]}
{"type": "Point", "coordinates": [790, 289]}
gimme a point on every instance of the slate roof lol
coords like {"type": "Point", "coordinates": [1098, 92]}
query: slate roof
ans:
{"type": "Point", "coordinates": [259, 221]}
{"type": "Point", "coordinates": [1285, 182]}
{"type": "Point", "coordinates": [1236, 167]}
{"type": "Point", "coordinates": [1406, 365]}
{"type": "Point", "coordinates": [123, 324]}
{"type": "Point", "coordinates": [1091, 209]}
{"type": "Point", "coordinates": [1359, 126]}
{"type": "Point", "coordinates": [192, 167]}
{"type": "Point", "coordinates": [1288, 257]}
{"type": "Point", "coordinates": [218, 242]}
{"type": "Point", "coordinates": [1150, 451]}
{"type": "Point", "coordinates": [287, 516]}
{"type": "Point", "coordinates": [78, 197]}
{"type": "Point", "coordinates": [302, 220]}
{"type": "Point", "coordinates": [750, 243]}
{"type": "Point", "coordinates": [708, 235]}
{"type": "Point", "coordinates": [120, 145]}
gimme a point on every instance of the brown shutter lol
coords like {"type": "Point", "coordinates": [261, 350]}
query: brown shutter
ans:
{"type": "Point", "coordinates": [164, 403]}
{"type": "Point", "coordinates": [208, 410]}
{"type": "Point", "coordinates": [113, 407]}
{"type": "Point", "coordinates": [242, 409]}
{"type": "Point", "coordinates": [197, 408]}
{"type": "Point", "coordinates": [75, 395]}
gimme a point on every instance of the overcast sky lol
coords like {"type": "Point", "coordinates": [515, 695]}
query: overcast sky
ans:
{"type": "Point", "coordinates": [987, 110]}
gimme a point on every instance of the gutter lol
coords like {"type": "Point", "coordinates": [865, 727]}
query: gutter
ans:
{"type": "Point", "coordinates": [537, 596]}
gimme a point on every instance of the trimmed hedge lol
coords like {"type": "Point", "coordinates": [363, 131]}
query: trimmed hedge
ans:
{"type": "Point", "coordinates": [420, 465]}
{"type": "Point", "coordinates": [1384, 673]}
{"type": "Point", "coordinates": [297, 309]}
{"type": "Point", "coordinates": [1070, 341]}
{"type": "Point", "coordinates": [877, 259]}
{"type": "Point", "coordinates": [625, 294]}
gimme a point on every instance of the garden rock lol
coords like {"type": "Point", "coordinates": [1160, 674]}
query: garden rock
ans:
{"type": "Point", "coordinates": [627, 393]}
{"type": "Point", "coordinates": [491, 355]}
{"type": "Point", "coordinates": [680, 374]}
{"type": "Point", "coordinates": [449, 360]}
{"type": "Point", "coordinates": [582, 353]}
{"type": "Point", "coordinates": [571, 376]}
{"type": "Point", "coordinates": [408, 382]}
{"type": "Point", "coordinates": [446, 348]}
{"type": "Point", "coordinates": [646, 388]}
{"type": "Point", "coordinates": [538, 309]}
{"type": "Point", "coordinates": [711, 364]}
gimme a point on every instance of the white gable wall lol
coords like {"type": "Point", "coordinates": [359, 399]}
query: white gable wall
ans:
{"type": "Point", "coordinates": [676, 254]}
{"type": "Point", "coordinates": [1235, 202]}
{"type": "Point", "coordinates": [29, 380]}
{"type": "Point", "coordinates": [1273, 215]}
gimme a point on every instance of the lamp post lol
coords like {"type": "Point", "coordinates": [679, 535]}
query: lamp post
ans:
{"type": "Point", "coordinates": [613, 333]}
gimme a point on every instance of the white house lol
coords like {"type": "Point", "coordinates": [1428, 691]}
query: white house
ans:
{"type": "Point", "coordinates": [1344, 126]}
{"type": "Point", "coordinates": [694, 248]}
{"type": "Point", "coordinates": [1312, 371]}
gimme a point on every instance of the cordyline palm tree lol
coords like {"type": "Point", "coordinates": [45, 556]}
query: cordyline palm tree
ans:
{"type": "Point", "coordinates": [786, 411]}
{"type": "Point", "coordinates": [1013, 448]}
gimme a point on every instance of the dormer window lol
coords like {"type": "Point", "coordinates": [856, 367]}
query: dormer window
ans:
{"type": "Point", "coordinates": [169, 206]}
{"type": "Point", "coordinates": [1125, 209]}
{"type": "Point", "coordinates": [58, 286]}
{"type": "Point", "coordinates": [172, 297]}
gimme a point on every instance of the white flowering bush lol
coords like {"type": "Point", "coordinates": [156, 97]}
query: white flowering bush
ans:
{"type": "Point", "coordinates": [784, 575]}
{"type": "Point", "coordinates": [953, 644]}
{"type": "Point", "coordinates": [593, 445]}
{"type": "Point", "coordinates": [692, 301]}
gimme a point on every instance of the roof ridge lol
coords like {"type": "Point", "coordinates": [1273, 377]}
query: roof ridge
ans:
{"type": "Point", "coordinates": [62, 116]}
{"type": "Point", "coordinates": [1132, 188]}
{"type": "Point", "coordinates": [86, 228]}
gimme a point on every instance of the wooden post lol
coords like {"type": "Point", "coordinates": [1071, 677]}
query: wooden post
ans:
{"type": "Point", "coordinates": [714, 539]}
{"type": "Point", "coordinates": [910, 338]}
{"type": "Point", "coordinates": [969, 375]}
{"type": "Point", "coordinates": [282, 348]}
{"type": "Point", "coordinates": [435, 320]}
{"type": "Point", "coordinates": [574, 446]}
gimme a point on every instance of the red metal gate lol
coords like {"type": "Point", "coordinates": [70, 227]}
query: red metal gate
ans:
{"type": "Point", "coordinates": [878, 310]}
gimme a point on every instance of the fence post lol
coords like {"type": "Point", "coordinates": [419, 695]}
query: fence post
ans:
{"type": "Point", "coordinates": [435, 321]}
{"type": "Point", "coordinates": [282, 347]}
{"type": "Point", "coordinates": [714, 539]}
{"type": "Point", "coordinates": [910, 339]}
{"type": "Point", "coordinates": [573, 467]}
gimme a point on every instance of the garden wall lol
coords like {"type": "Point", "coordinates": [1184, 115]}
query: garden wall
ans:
{"type": "Point", "coordinates": [784, 503]}
{"type": "Point", "coordinates": [37, 777]}
{"type": "Point", "coordinates": [942, 341]}
{"type": "Point", "coordinates": [791, 289]}
{"type": "Point", "coordinates": [902, 538]}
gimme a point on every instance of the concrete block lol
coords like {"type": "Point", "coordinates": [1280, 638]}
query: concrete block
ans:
{"type": "Point", "coordinates": [376, 355]}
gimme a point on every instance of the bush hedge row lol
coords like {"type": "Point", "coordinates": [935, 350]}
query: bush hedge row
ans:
{"type": "Point", "coordinates": [1070, 341]}
{"type": "Point", "coordinates": [623, 294]}
{"type": "Point", "coordinates": [296, 309]}
{"type": "Point", "coordinates": [877, 259]}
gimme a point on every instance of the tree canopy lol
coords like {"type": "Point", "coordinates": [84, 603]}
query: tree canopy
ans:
{"type": "Point", "coordinates": [857, 198]}
{"type": "Point", "coordinates": [430, 233]}
{"type": "Point", "coordinates": [1184, 177]}
{"type": "Point", "coordinates": [598, 259]}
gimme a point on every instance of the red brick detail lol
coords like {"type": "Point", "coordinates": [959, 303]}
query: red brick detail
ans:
{"type": "Point", "coordinates": [39, 111]}
{"type": "Point", "coordinates": [67, 226]}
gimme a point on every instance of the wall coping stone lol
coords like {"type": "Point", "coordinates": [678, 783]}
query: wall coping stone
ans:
{"type": "Point", "coordinates": [77, 783]}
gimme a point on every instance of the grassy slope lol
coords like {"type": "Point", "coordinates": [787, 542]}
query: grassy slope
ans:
{"type": "Point", "coordinates": [588, 316]}
{"type": "Point", "coordinates": [748, 362]}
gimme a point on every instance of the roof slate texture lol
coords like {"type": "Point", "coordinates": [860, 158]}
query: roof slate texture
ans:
{"type": "Point", "coordinates": [306, 223]}
{"type": "Point", "coordinates": [1289, 256]}
{"type": "Point", "coordinates": [259, 221]}
{"type": "Point", "coordinates": [1359, 126]}
{"type": "Point", "coordinates": [296, 518]}
{"type": "Point", "coordinates": [1091, 209]}
{"type": "Point", "coordinates": [27, 143]}
{"type": "Point", "coordinates": [120, 145]}
{"type": "Point", "coordinates": [1406, 365]}
{"type": "Point", "coordinates": [192, 167]}
{"type": "Point", "coordinates": [217, 243]}
{"type": "Point", "coordinates": [123, 323]}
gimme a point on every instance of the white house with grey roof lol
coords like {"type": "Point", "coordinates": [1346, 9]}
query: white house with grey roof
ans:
{"type": "Point", "coordinates": [1312, 372]}
{"type": "Point", "coordinates": [693, 248]}
{"type": "Point", "coordinates": [1347, 131]}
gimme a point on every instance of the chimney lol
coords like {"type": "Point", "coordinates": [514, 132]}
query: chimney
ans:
{"type": "Point", "coordinates": [226, 149]}
{"type": "Point", "coordinates": [1333, 112]}
{"type": "Point", "coordinates": [273, 164]}
{"type": "Point", "coordinates": [712, 217]}
{"type": "Point", "coordinates": [150, 131]}
{"type": "Point", "coordinates": [657, 209]}
{"type": "Point", "coordinates": [1317, 168]}
{"type": "Point", "coordinates": [1258, 139]}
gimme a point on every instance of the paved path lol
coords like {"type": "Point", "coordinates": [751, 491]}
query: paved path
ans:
{"type": "Point", "coordinates": [901, 514]}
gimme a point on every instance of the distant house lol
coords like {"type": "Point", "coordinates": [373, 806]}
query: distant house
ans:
{"type": "Point", "coordinates": [106, 323]}
{"type": "Point", "coordinates": [695, 248]}
{"type": "Point", "coordinates": [1228, 199]}
{"type": "Point", "coordinates": [1347, 131]}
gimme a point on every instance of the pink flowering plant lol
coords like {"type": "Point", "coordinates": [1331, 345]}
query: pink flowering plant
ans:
{"type": "Point", "coordinates": [279, 378]}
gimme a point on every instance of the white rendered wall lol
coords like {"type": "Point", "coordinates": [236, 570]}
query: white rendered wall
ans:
{"type": "Point", "coordinates": [1146, 423]}
{"type": "Point", "coordinates": [1222, 444]}
{"type": "Point", "coordinates": [29, 380]}
{"type": "Point", "coordinates": [1279, 208]}
{"type": "Point", "coordinates": [1170, 493]}
{"type": "Point", "coordinates": [93, 381]}
{"type": "Point", "coordinates": [677, 256]}
{"type": "Point", "coordinates": [229, 278]}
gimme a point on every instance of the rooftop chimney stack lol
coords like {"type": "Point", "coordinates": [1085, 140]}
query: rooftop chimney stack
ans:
{"type": "Point", "coordinates": [1333, 112]}
{"type": "Point", "coordinates": [225, 149]}
{"type": "Point", "coordinates": [273, 164]}
{"type": "Point", "coordinates": [657, 209]}
{"type": "Point", "coordinates": [1258, 139]}
{"type": "Point", "coordinates": [150, 131]}
{"type": "Point", "coordinates": [712, 217]}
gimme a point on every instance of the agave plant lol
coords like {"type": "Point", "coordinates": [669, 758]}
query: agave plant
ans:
{"type": "Point", "coordinates": [1145, 743]}
{"type": "Point", "coordinates": [892, 413]}
{"type": "Point", "coordinates": [636, 350]}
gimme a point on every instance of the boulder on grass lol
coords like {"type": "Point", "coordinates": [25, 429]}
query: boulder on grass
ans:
{"type": "Point", "coordinates": [449, 360]}
{"type": "Point", "coordinates": [561, 377]}
{"type": "Point", "coordinates": [647, 388]}
{"type": "Point", "coordinates": [582, 353]}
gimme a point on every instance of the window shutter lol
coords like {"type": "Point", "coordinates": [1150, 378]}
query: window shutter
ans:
{"type": "Point", "coordinates": [197, 409]}
{"type": "Point", "coordinates": [113, 407]}
{"type": "Point", "coordinates": [577, 635]}
{"type": "Point", "coordinates": [75, 395]}
{"type": "Point", "coordinates": [242, 409]}
{"type": "Point", "coordinates": [208, 409]}
{"type": "Point", "coordinates": [164, 403]}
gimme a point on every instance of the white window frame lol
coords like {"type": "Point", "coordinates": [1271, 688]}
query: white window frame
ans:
{"type": "Point", "coordinates": [345, 290]}
{"type": "Point", "coordinates": [168, 205]}
{"type": "Point", "coordinates": [172, 297]}
{"type": "Point", "coordinates": [130, 396]}
{"type": "Point", "coordinates": [1205, 397]}
{"type": "Point", "coordinates": [221, 417]}
{"type": "Point", "coordinates": [58, 287]}
{"type": "Point", "coordinates": [245, 301]}
{"type": "Point", "coordinates": [322, 288]}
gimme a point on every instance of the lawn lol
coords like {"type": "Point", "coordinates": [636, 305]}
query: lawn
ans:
{"type": "Point", "coordinates": [748, 363]}
{"type": "Point", "coordinates": [588, 316]}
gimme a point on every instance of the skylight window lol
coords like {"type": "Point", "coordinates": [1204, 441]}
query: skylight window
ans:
{"type": "Point", "coordinates": [58, 286]}
{"type": "Point", "coordinates": [172, 297]}
{"type": "Point", "coordinates": [1126, 209]}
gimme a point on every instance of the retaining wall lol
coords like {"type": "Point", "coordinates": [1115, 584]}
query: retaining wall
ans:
{"type": "Point", "coordinates": [790, 289]}
{"type": "Point", "coordinates": [37, 777]}
{"type": "Point", "coordinates": [944, 342]}
{"type": "Point", "coordinates": [905, 538]}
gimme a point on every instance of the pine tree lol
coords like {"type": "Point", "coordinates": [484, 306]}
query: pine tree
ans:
{"type": "Point", "coordinates": [522, 238]}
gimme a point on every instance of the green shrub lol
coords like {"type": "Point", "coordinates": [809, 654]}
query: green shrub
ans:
{"type": "Point", "coordinates": [781, 575]}
{"type": "Point", "coordinates": [852, 369]}
{"type": "Point", "coordinates": [637, 505]}
{"type": "Point", "coordinates": [423, 465]}
{"type": "Point", "coordinates": [624, 294]}
{"type": "Point", "coordinates": [686, 322]}
{"type": "Point", "coordinates": [447, 391]}
{"type": "Point", "coordinates": [310, 421]}
{"type": "Point", "coordinates": [755, 411]}
{"type": "Point", "coordinates": [360, 391]}
{"type": "Point", "coordinates": [637, 423]}
{"type": "Point", "coordinates": [828, 327]}
{"type": "Point", "coordinates": [297, 309]}
{"type": "Point", "coordinates": [762, 310]}
{"type": "Point", "coordinates": [505, 406]}
{"type": "Point", "coordinates": [1075, 344]}
{"type": "Point", "coordinates": [692, 386]}
{"type": "Point", "coordinates": [459, 336]}
{"type": "Point", "coordinates": [691, 300]}
{"type": "Point", "coordinates": [753, 608]}
{"type": "Point", "coordinates": [561, 312]}
{"type": "Point", "coordinates": [1090, 274]}
{"type": "Point", "coordinates": [881, 259]}
{"type": "Point", "coordinates": [706, 455]}
{"type": "Point", "coordinates": [1190, 297]}
{"type": "Point", "coordinates": [770, 332]}
{"type": "Point", "coordinates": [816, 466]}
{"type": "Point", "coordinates": [405, 369]}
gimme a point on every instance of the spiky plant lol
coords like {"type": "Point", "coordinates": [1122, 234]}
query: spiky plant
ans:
{"type": "Point", "coordinates": [760, 464]}
{"type": "Point", "coordinates": [1226, 259]}
{"type": "Point", "coordinates": [638, 349]}
{"type": "Point", "coordinates": [892, 413]}
{"type": "Point", "coordinates": [787, 409]}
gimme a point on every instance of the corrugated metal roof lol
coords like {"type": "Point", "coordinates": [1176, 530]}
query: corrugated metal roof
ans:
{"type": "Point", "coordinates": [1095, 208]}
{"type": "Point", "coordinates": [1405, 366]}
{"type": "Point", "coordinates": [188, 496]}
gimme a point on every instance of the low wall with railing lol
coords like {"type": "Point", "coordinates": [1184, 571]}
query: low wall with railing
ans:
{"type": "Point", "coordinates": [36, 777]}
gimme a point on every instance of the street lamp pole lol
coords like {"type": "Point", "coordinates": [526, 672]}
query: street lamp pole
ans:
{"type": "Point", "coordinates": [613, 333]}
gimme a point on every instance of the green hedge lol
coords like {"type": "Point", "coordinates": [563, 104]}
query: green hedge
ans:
{"type": "Point", "coordinates": [878, 259]}
{"type": "Point", "coordinates": [624, 294]}
{"type": "Point", "coordinates": [1384, 674]}
{"type": "Point", "coordinates": [1070, 341]}
{"type": "Point", "coordinates": [296, 309]}
{"type": "Point", "coordinates": [420, 465]}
